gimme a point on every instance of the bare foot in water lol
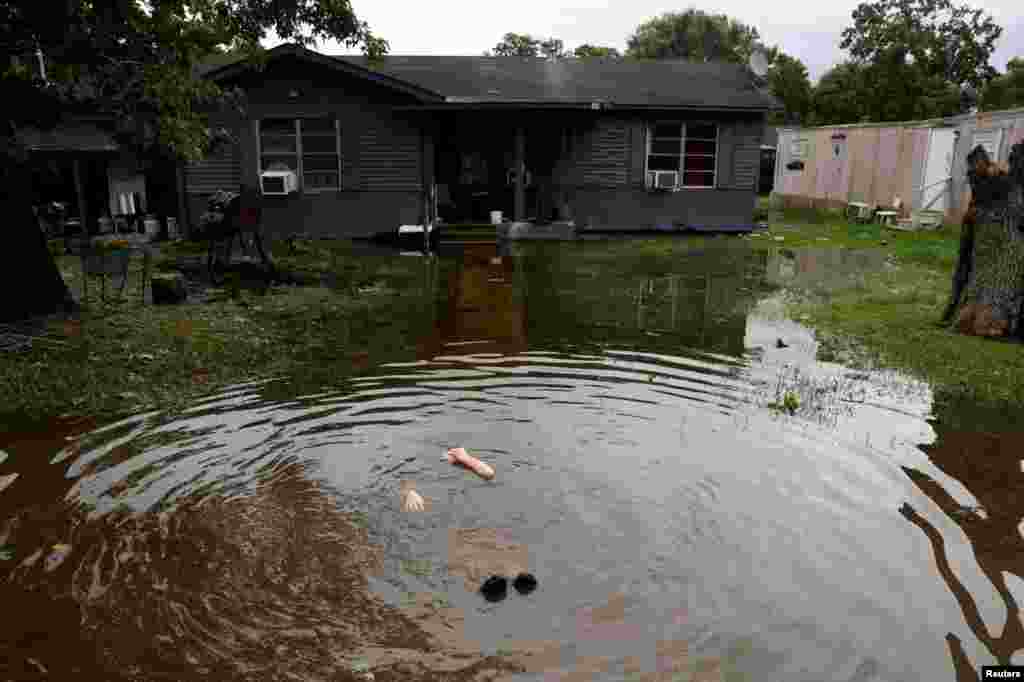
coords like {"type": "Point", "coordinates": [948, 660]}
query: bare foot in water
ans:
{"type": "Point", "coordinates": [461, 457]}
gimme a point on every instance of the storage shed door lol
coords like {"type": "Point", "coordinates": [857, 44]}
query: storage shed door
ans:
{"type": "Point", "coordinates": [938, 168]}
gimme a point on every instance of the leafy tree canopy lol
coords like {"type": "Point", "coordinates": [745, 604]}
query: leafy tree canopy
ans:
{"type": "Point", "coordinates": [135, 61]}
{"type": "Point", "coordinates": [522, 45]}
{"type": "Point", "coordinates": [889, 90]}
{"type": "Point", "coordinates": [1006, 91]}
{"type": "Point", "coordinates": [525, 45]}
{"type": "Point", "coordinates": [789, 83]}
{"type": "Point", "coordinates": [694, 35]}
{"type": "Point", "coordinates": [587, 50]}
{"type": "Point", "coordinates": [944, 40]}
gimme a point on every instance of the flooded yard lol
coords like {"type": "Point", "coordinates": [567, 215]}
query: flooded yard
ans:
{"type": "Point", "coordinates": [699, 495]}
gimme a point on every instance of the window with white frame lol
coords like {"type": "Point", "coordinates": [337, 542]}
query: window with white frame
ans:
{"type": "Point", "coordinates": [309, 147]}
{"type": "Point", "coordinates": [690, 150]}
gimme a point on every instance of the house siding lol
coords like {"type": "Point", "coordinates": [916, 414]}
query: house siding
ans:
{"type": "Point", "coordinates": [604, 157]}
{"type": "Point", "coordinates": [603, 181]}
{"type": "Point", "coordinates": [629, 208]}
{"type": "Point", "coordinates": [219, 171]}
{"type": "Point", "coordinates": [388, 156]}
{"type": "Point", "coordinates": [382, 154]}
{"type": "Point", "coordinates": [739, 159]}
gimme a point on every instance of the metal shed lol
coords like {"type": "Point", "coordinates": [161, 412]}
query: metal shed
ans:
{"type": "Point", "coordinates": [921, 162]}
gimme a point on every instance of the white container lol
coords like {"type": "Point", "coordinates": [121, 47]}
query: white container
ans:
{"type": "Point", "coordinates": [496, 218]}
{"type": "Point", "coordinates": [106, 225]}
{"type": "Point", "coordinates": [172, 228]}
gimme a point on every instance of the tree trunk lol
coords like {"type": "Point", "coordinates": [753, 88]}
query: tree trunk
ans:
{"type": "Point", "coordinates": [987, 296]}
{"type": "Point", "coordinates": [30, 283]}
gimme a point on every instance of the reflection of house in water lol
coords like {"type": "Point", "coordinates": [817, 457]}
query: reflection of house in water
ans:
{"type": "Point", "coordinates": [483, 312]}
{"type": "Point", "coordinates": [820, 267]}
{"type": "Point", "coordinates": [989, 466]}
{"type": "Point", "coordinates": [701, 303]}
{"type": "Point", "coordinates": [536, 299]}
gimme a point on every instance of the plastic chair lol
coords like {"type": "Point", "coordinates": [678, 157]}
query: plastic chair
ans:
{"type": "Point", "coordinates": [862, 212]}
{"type": "Point", "coordinates": [889, 216]}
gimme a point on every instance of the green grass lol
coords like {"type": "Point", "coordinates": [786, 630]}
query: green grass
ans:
{"type": "Point", "coordinates": [124, 356]}
{"type": "Point", "coordinates": [127, 356]}
{"type": "Point", "coordinates": [893, 316]}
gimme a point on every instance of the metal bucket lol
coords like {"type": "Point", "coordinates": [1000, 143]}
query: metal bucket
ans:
{"type": "Point", "coordinates": [496, 217]}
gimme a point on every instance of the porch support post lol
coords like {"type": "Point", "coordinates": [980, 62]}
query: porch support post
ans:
{"type": "Point", "coordinates": [519, 206]}
{"type": "Point", "coordinates": [428, 135]}
{"type": "Point", "coordinates": [76, 166]}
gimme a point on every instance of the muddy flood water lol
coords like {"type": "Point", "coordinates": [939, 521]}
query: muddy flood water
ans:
{"type": "Point", "coordinates": [679, 526]}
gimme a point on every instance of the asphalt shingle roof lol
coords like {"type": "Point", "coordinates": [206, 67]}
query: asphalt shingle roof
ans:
{"type": "Point", "coordinates": [650, 83]}
{"type": "Point", "coordinates": [620, 82]}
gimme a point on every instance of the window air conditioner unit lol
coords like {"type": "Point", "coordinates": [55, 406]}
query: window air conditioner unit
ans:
{"type": "Point", "coordinates": [278, 182]}
{"type": "Point", "coordinates": [664, 179]}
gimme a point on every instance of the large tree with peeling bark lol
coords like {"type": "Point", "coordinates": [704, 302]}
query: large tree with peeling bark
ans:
{"type": "Point", "coordinates": [132, 62]}
{"type": "Point", "coordinates": [987, 296]}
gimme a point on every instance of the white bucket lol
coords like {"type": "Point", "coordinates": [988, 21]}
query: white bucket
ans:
{"type": "Point", "coordinates": [172, 228]}
{"type": "Point", "coordinates": [495, 217]}
{"type": "Point", "coordinates": [152, 226]}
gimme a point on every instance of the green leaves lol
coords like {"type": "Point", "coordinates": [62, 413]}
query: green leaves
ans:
{"type": "Point", "coordinates": [950, 42]}
{"type": "Point", "coordinates": [137, 62]}
{"type": "Point", "coordinates": [1007, 90]}
{"type": "Point", "coordinates": [789, 82]}
{"type": "Point", "coordinates": [694, 35]}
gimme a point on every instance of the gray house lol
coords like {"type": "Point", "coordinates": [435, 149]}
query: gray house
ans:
{"type": "Point", "coordinates": [344, 147]}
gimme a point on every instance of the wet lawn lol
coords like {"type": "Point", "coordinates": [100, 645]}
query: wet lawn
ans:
{"type": "Point", "coordinates": [892, 316]}
{"type": "Point", "coordinates": [702, 486]}
{"type": "Point", "coordinates": [124, 355]}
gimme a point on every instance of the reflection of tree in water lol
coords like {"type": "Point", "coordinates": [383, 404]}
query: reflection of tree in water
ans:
{"type": "Point", "coordinates": [266, 586]}
{"type": "Point", "coordinates": [270, 585]}
{"type": "Point", "coordinates": [989, 466]}
{"type": "Point", "coordinates": [822, 270]}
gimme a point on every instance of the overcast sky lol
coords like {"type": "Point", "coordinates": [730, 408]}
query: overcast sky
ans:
{"type": "Point", "coordinates": [809, 31]}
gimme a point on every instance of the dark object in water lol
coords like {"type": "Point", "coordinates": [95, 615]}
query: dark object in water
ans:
{"type": "Point", "coordinates": [525, 583]}
{"type": "Point", "coordinates": [495, 588]}
{"type": "Point", "coordinates": [781, 344]}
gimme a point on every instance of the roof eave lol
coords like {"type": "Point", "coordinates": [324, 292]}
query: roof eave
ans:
{"type": "Point", "coordinates": [234, 69]}
{"type": "Point", "coordinates": [470, 103]}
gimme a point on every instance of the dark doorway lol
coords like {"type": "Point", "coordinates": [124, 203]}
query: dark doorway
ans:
{"type": "Point", "coordinates": [766, 180]}
{"type": "Point", "coordinates": [475, 167]}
